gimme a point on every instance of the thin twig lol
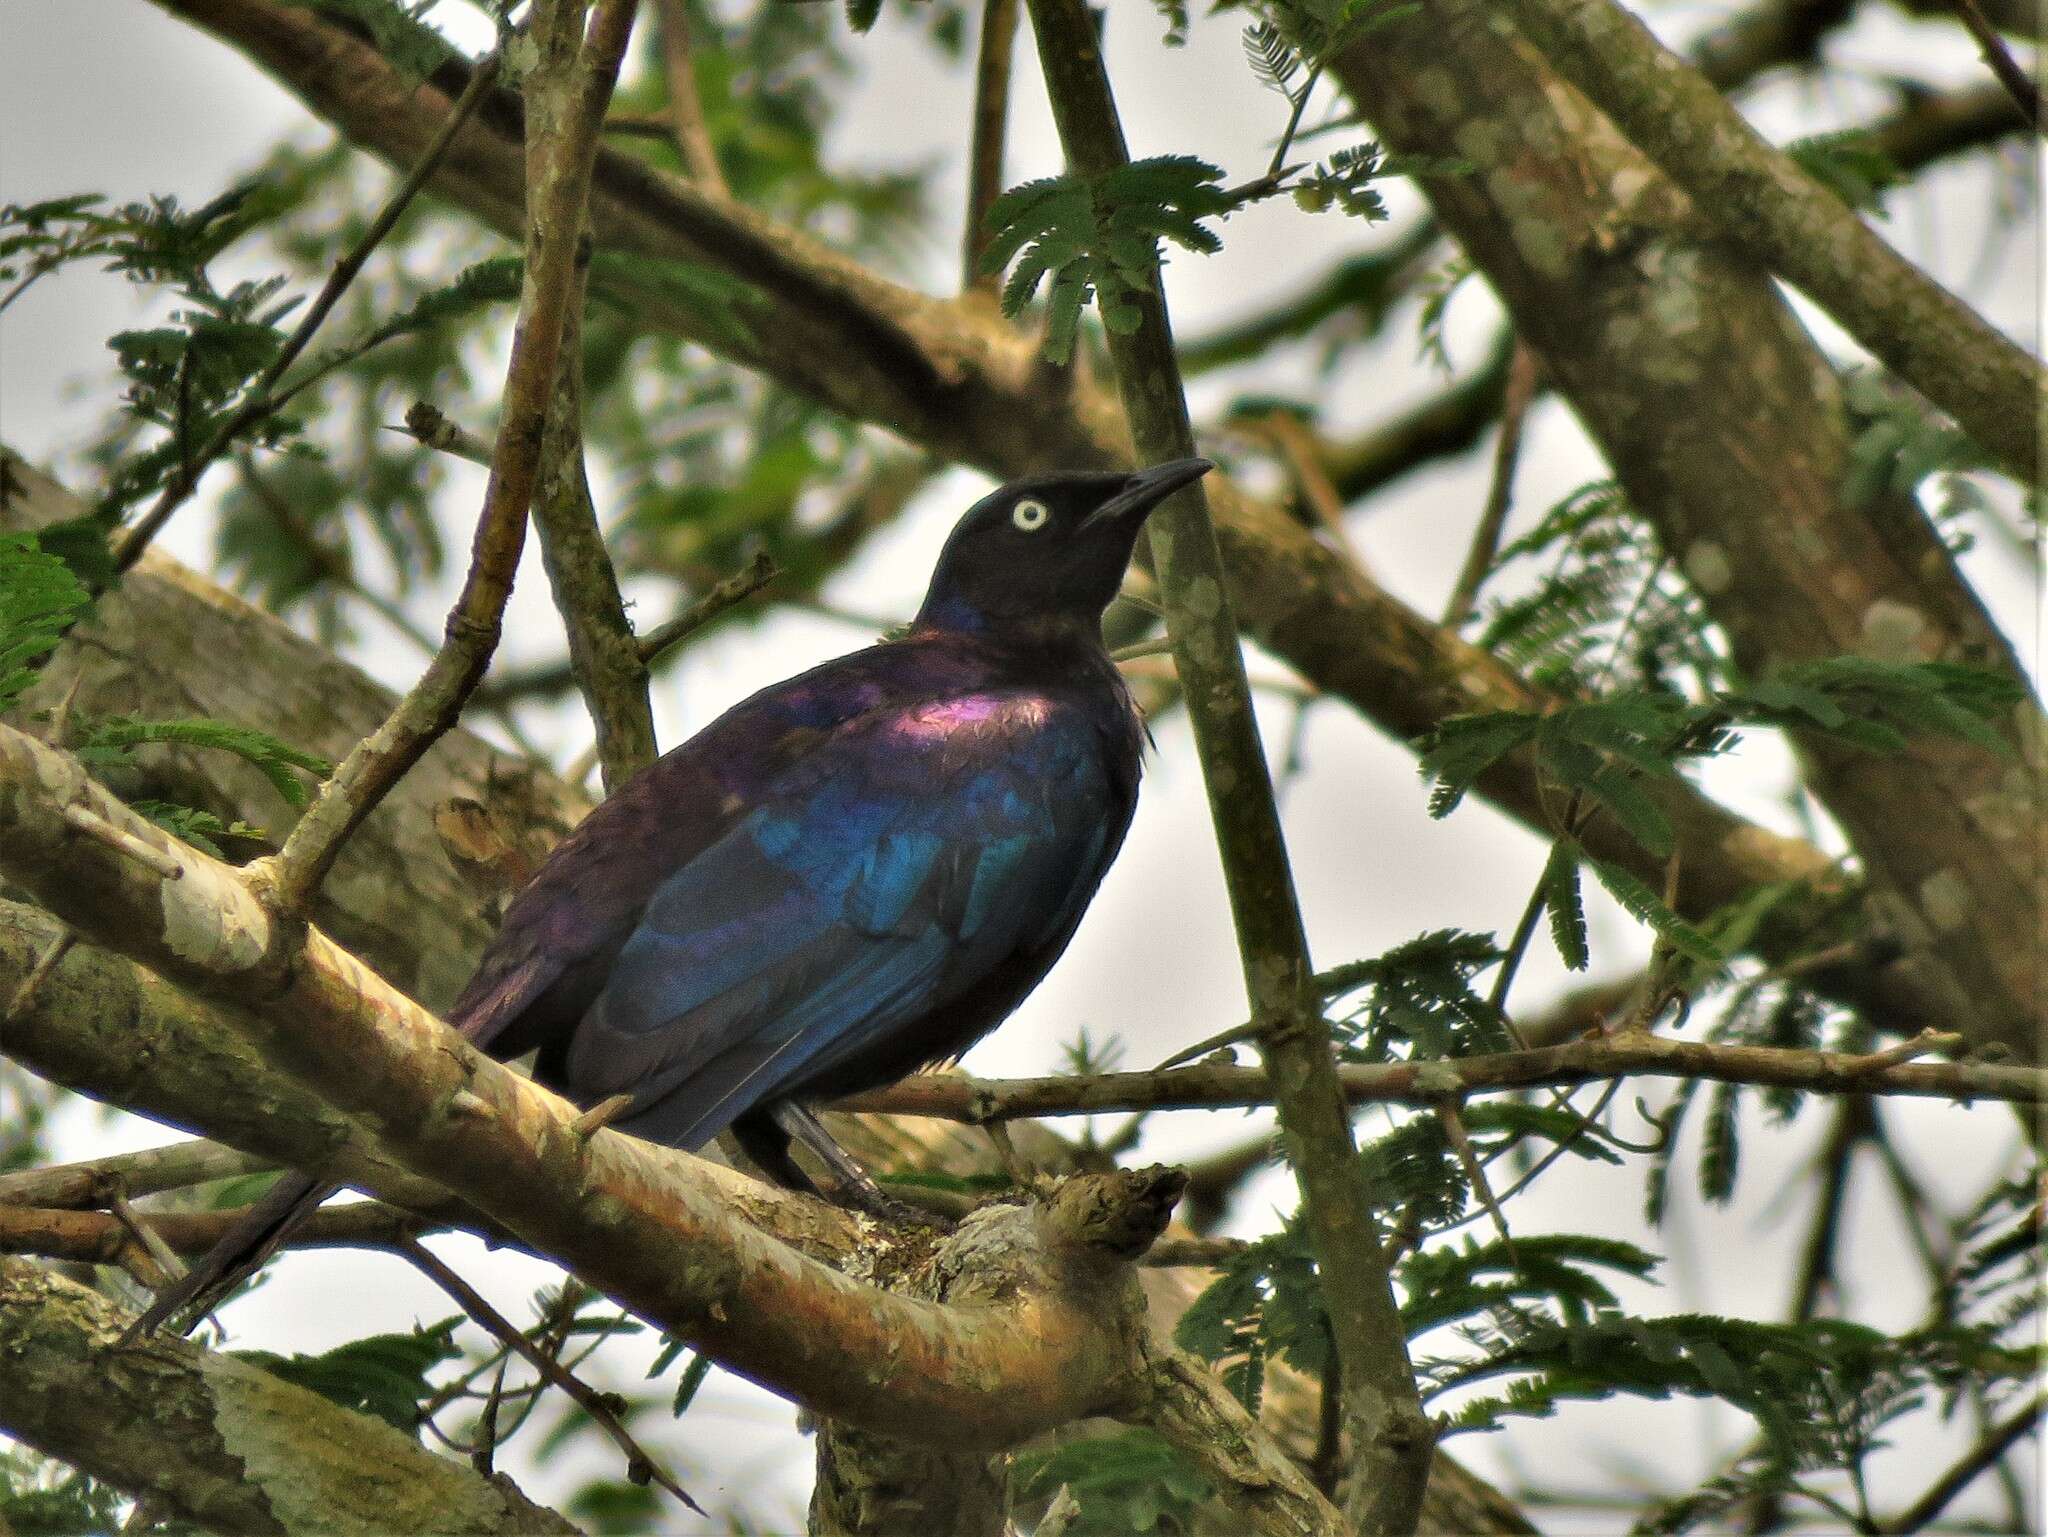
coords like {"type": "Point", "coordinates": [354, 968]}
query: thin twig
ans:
{"type": "Point", "coordinates": [2019, 85]}
{"type": "Point", "coordinates": [1525, 371]}
{"type": "Point", "coordinates": [148, 855]}
{"type": "Point", "coordinates": [261, 400]}
{"type": "Point", "coordinates": [2001, 1438]}
{"type": "Point", "coordinates": [1296, 444]}
{"type": "Point", "coordinates": [426, 423]}
{"type": "Point", "coordinates": [166, 1257]}
{"type": "Point", "coordinates": [685, 104]}
{"type": "Point", "coordinates": [1635, 1054]}
{"type": "Point", "coordinates": [640, 1467]}
{"type": "Point", "coordinates": [992, 64]}
{"type": "Point", "coordinates": [567, 95]}
{"type": "Point", "coordinates": [38, 974]}
{"type": "Point", "coordinates": [733, 590]}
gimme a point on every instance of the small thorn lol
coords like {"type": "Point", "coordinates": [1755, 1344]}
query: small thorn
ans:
{"type": "Point", "coordinates": [601, 1114]}
{"type": "Point", "coordinates": [470, 1106]}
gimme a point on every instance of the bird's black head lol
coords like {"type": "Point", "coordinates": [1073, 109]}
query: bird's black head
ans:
{"type": "Point", "coordinates": [1040, 559]}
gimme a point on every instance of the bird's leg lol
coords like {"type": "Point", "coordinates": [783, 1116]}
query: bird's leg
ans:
{"type": "Point", "coordinates": [766, 1145]}
{"type": "Point", "coordinates": [856, 1188]}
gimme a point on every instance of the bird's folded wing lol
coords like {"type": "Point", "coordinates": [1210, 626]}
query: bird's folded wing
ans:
{"type": "Point", "coordinates": [892, 869]}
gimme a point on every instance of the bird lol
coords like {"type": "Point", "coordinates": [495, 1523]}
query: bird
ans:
{"type": "Point", "coordinates": [850, 876]}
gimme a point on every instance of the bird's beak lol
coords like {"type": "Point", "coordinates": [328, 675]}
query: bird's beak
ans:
{"type": "Point", "coordinates": [1146, 489]}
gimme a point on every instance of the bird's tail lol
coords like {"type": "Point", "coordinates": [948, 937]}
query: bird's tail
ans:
{"type": "Point", "coordinates": [239, 1254]}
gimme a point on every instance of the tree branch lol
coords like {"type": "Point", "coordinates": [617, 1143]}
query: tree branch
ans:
{"type": "Point", "coordinates": [604, 655]}
{"type": "Point", "coordinates": [1799, 228]}
{"type": "Point", "coordinates": [249, 1452]}
{"type": "Point", "coordinates": [1390, 1439]}
{"type": "Point", "coordinates": [1747, 501]}
{"type": "Point", "coordinates": [685, 104]}
{"type": "Point", "coordinates": [997, 50]}
{"type": "Point", "coordinates": [174, 1166]}
{"type": "Point", "coordinates": [567, 93]}
{"type": "Point", "coordinates": [1628, 1055]}
{"type": "Point", "coordinates": [263, 399]}
{"type": "Point", "coordinates": [2001, 1439]}
{"type": "Point", "coordinates": [2017, 83]}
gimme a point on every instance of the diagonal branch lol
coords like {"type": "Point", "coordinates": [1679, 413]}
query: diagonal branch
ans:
{"type": "Point", "coordinates": [1390, 1438]}
{"type": "Point", "coordinates": [567, 93]}
{"type": "Point", "coordinates": [1800, 229]}
{"type": "Point", "coordinates": [264, 398]}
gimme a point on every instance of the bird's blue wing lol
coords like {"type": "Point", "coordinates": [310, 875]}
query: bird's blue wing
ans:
{"type": "Point", "coordinates": [899, 864]}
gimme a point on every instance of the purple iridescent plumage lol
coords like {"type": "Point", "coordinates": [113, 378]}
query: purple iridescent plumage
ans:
{"type": "Point", "coordinates": [846, 877]}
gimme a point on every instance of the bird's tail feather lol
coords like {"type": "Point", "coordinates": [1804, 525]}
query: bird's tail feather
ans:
{"type": "Point", "coordinates": [239, 1254]}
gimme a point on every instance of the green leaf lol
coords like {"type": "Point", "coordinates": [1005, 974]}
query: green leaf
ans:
{"type": "Point", "coordinates": [1099, 238]}
{"type": "Point", "coordinates": [1719, 1151]}
{"type": "Point", "coordinates": [113, 740]}
{"type": "Point", "coordinates": [1647, 907]}
{"type": "Point", "coordinates": [383, 1374]}
{"type": "Point", "coordinates": [40, 598]}
{"type": "Point", "coordinates": [1565, 904]}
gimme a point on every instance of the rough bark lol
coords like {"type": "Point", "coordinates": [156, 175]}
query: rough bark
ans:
{"type": "Point", "coordinates": [216, 1441]}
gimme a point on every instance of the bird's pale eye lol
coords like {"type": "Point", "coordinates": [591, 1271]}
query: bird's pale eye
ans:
{"type": "Point", "coordinates": [1030, 515]}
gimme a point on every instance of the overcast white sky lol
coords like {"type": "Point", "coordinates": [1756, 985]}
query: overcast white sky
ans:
{"type": "Point", "coordinates": [110, 95]}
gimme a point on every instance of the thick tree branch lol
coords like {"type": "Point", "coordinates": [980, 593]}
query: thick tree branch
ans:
{"type": "Point", "coordinates": [1796, 226]}
{"type": "Point", "coordinates": [1390, 1439]}
{"type": "Point", "coordinates": [249, 1452]}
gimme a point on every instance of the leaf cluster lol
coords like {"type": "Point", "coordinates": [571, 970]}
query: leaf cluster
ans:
{"type": "Point", "coordinates": [111, 743]}
{"type": "Point", "coordinates": [1606, 608]}
{"type": "Point", "coordinates": [1420, 992]}
{"type": "Point", "coordinates": [1099, 238]}
{"type": "Point", "coordinates": [40, 598]}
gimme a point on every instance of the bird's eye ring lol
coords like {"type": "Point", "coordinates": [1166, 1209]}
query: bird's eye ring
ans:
{"type": "Point", "coordinates": [1030, 516]}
